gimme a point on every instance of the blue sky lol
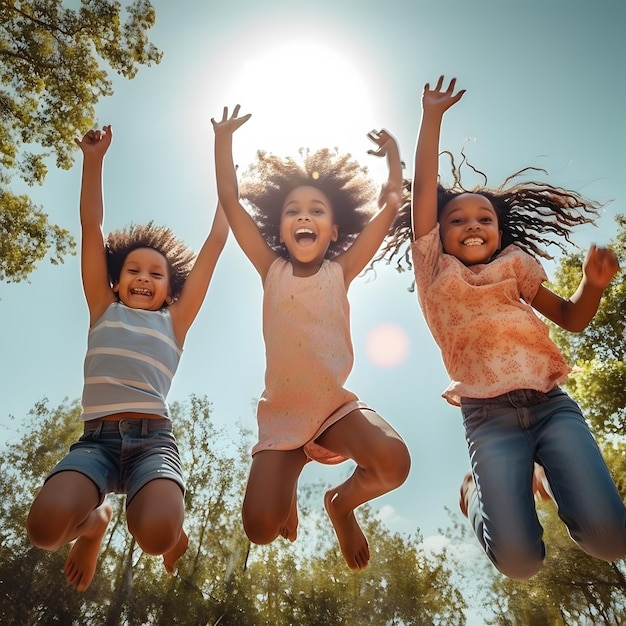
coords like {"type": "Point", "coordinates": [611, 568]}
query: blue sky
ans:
{"type": "Point", "coordinates": [545, 87]}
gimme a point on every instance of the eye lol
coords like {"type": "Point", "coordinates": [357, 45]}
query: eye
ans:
{"type": "Point", "coordinates": [156, 275]}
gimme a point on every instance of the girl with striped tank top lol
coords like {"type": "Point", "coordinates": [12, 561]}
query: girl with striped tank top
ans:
{"type": "Point", "coordinates": [309, 236]}
{"type": "Point", "coordinates": [143, 289]}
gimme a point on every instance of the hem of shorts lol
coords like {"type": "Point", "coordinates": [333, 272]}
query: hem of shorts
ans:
{"type": "Point", "coordinates": [81, 471]}
{"type": "Point", "coordinates": [177, 480]}
{"type": "Point", "coordinates": [333, 418]}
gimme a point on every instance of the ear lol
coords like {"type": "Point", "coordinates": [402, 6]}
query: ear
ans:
{"type": "Point", "coordinates": [116, 288]}
{"type": "Point", "coordinates": [335, 233]}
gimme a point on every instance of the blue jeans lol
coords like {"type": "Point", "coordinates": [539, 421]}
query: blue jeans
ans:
{"type": "Point", "coordinates": [505, 436]}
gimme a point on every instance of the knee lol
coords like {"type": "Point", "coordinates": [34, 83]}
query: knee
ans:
{"type": "Point", "coordinates": [609, 545]}
{"type": "Point", "coordinates": [261, 527]}
{"type": "Point", "coordinates": [518, 563]}
{"type": "Point", "coordinates": [40, 533]}
{"type": "Point", "coordinates": [157, 536]}
{"type": "Point", "coordinates": [47, 529]}
{"type": "Point", "coordinates": [394, 463]}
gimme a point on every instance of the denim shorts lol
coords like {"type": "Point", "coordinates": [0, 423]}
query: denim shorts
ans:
{"type": "Point", "coordinates": [123, 456]}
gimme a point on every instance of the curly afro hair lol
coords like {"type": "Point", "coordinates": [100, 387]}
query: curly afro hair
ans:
{"type": "Point", "coordinates": [351, 193]}
{"type": "Point", "coordinates": [531, 214]}
{"type": "Point", "coordinates": [179, 257]}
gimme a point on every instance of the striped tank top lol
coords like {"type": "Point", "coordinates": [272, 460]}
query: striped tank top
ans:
{"type": "Point", "coordinates": [132, 356]}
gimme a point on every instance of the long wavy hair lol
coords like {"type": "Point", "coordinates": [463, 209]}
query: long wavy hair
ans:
{"type": "Point", "coordinates": [345, 182]}
{"type": "Point", "coordinates": [532, 215]}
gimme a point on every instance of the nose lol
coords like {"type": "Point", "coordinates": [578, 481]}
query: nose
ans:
{"type": "Point", "coordinates": [473, 225]}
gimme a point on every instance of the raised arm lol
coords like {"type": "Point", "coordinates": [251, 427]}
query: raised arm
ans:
{"type": "Point", "coordinates": [574, 314]}
{"type": "Point", "coordinates": [360, 253]}
{"type": "Point", "coordinates": [95, 275]}
{"type": "Point", "coordinates": [243, 226]}
{"type": "Point", "coordinates": [435, 103]}
{"type": "Point", "coordinates": [185, 309]}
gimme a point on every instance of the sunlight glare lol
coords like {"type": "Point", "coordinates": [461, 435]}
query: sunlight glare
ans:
{"type": "Point", "coordinates": [302, 94]}
{"type": "Point", "coordinates": [387, 345]}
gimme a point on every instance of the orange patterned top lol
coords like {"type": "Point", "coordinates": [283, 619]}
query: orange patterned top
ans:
{"type": "Point", "coordinates": [490, 338]}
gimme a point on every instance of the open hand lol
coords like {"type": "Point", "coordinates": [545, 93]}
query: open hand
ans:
{"type": "Point", "coordinates": [383, 140]}
{"type": "Point", "coordinates": [600, 266]}
{"type": "Point", "coordinates": [438, 100]}
{"type": "Point", "coordinates": [232, 123]}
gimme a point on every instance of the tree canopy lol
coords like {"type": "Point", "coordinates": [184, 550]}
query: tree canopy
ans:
{"type": "Point", "coordinates": [51, 78]}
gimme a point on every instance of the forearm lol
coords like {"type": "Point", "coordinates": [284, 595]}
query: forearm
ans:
{"type": "Point", "coordinates": [581, 307]}
{"type": "Point", "coordinates": [394, 180]}
{"type": "Point", "coordinates": [91, 196]}
{"type": "Point", "coordinates": [225, 172]}
{"type": "Point", "coordinates": [424, 190]}
{"type": "Point", "coordinates": [219, 229]}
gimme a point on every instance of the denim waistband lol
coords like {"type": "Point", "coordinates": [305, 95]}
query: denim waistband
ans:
{"type": "Point", "coordinates": [145, 425]}
{"type": "Point", "coordinates": [516, 398]}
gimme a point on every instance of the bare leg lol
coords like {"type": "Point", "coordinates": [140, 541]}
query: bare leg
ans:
{"type": "Point", "coordinates": [269, 506]}
{"type": "Point", "coordinates": [383, 464]}
{"type": "Point", "coordinates": [155, 518]}
{"type": "Point", "coordinates": [290, 529]}
{"type": "Point", "coordinates": [541, 486]}
{"type": "Point", "coordinates": [80, 565]}
{"type": "Point", "coordinates": [66, 509]}
{"type": "Point", "coordinates": [171, 557]}
{"type": "Point", "coordinates": [468, 489]}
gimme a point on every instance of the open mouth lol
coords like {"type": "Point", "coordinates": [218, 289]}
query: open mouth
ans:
{"type": "Point", "coordinates": [141, 292]}
{"type": "Point", "coordinates": [305, 235]}
{"type": "Point", "coordinates": [473, 241]}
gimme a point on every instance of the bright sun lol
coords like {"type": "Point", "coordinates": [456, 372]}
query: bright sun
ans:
{"type": "Point", "coordinates": [302, 93]}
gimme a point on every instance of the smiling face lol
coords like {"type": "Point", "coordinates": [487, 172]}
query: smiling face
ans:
{"type": "Point", "coordinates": [307, 228]}
{"type": "Point", "coordinates": [469, 230]}
{"type": "Point", "coordinates": [144, 280]}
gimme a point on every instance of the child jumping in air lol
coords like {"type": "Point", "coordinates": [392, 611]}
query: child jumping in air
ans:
{"type": "Point", "coordinates": [143, 291]}
{"type": "Point", "coordinates": [478, 282]}
{"type": "Point", "coordinates": [309, 238]}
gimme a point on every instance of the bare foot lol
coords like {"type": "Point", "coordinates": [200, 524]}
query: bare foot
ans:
{"type": "Point", "coordinates": [352, 541]}
{"type": "Point", "coordinates": [170, 558]}
{"type": "Point", "coordinates": [81, 562]}
{"type": "Point", "coordinates": [468, 488]}
{"type": "Point", "coordinates": [541, 486]}
{"type": "Point", "coordinates": [290, 528]}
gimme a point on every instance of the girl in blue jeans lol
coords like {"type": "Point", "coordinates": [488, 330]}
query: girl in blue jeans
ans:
{"type": "Point", "coordinates": [479, 284]}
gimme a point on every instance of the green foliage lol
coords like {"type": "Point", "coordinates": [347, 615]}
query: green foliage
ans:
{"type": "Point", "coordinates": [572, 588]}
{"type": "Point", "coordinates": [26, 236]}
{"type": "Point", "coordinates": [50, 82]}
{"type": "Point", "coordinates": [221, 579]}
{"type": "Point", "coordinates": [599, 352]}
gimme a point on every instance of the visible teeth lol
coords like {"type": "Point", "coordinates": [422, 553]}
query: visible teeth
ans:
{"type": "Point", "coordinates": [141, 292]}
{"type": "Point", "coordinates": [473, 241]}
{"type": "Point", "coordinates": [304, 231]}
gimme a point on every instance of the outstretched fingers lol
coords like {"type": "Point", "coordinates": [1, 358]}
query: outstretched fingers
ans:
{"type": "Point", "coordinates": [382, 139]}
{"type": "Point", "coordinates": [232, 123]}
{"type": "Point", "coordinates": [439, 98]}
